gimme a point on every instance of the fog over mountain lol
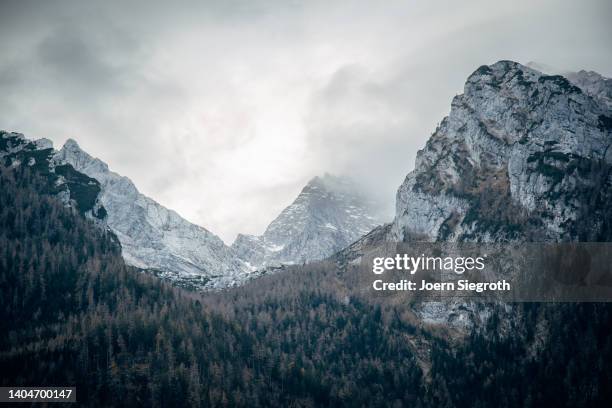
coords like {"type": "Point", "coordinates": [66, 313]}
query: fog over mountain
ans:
{"type": "Point", "coordinates": [329, 214]}
{"type": "Point", "coordinates": [238, 104]}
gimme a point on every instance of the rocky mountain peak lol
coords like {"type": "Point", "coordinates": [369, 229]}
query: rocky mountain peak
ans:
{"type": "Point", "coordinates": [329, 213]}
{"type": "Point", "coordinates": [518, 147]}
{"type": "Point", "coordinates": [72, 153]}
{"type": "Point", "coordinates": [71, 144]}
{"type": "Point", "coordinates": [332, 183]}
{"type": "Point", "coordinates": [153, 237]}
{"type": "Point", "coordinates": [522, 156]}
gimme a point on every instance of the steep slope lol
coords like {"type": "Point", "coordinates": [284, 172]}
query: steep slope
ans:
{"type": "Point", "coordinates": [74, 188]}
{"type": "Point", "coordinates": [152, 236]}
{"type": "Point", "coordinates": [522, 155]}
{"type": "Point", "coordinates": [328, 214]}
{"type": "Point", "coordinates": [72, 312]}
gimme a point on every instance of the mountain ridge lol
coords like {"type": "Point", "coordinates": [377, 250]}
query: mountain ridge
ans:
{"type": "Point", "coordinates": [329, 213]}
{"type": "Point", "coordinates": [152, 236]}
{"type": "Point", "coordinates": [513, 143]}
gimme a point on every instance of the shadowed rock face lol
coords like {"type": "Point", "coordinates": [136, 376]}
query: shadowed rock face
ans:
{"type": "Point", "coordinates": [522, 155]}
{"type": "Point", "coordinates": [327, 215]}
{"type": "Point", "coordinates": [75, 189]}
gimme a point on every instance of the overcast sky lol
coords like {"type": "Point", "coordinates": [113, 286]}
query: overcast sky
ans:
{"type": "Point", "coordinates": [223, 110]}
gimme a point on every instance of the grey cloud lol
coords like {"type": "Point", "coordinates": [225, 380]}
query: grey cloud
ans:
{"type": "Point", "coordinates": [77, 63]}
{"type": "Point", "coordinates": [369, 126]}
{"type": "Point", "coordinates": [224, 109]}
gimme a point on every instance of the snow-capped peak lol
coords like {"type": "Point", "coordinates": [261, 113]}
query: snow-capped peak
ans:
{"type": "Point", "coordinates": [152, 236]}
{"type": "Point", "coordinates": [327, 215]}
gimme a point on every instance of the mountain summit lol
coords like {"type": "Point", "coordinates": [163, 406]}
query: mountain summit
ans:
{"type": "Point", "coordinates": [327, 215]}
{"type": "Point", "coordinates": [152, 236]}
{"type": "Point", "coordinates": [522, 155]}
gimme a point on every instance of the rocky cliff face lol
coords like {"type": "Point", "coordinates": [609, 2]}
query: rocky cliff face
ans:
{"type": "Point", "coordinates": [522, 155]}
{"type": "Point", "coordinates": [327, 215]}
{"type": "Point", "coordinates": [152, 236]}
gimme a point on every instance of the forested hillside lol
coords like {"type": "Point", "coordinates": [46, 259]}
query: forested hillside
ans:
{"type": "Point", "coordinates": [74, 314]}
{"type": "Point", "coordinates": [530, 355]}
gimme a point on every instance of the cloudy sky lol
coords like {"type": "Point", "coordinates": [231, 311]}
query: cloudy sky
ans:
{"type": "Point", "coordinates": [223, 110]}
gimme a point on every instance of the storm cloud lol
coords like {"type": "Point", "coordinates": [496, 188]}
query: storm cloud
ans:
{"type": "Point", "coordinates": [223, 110]}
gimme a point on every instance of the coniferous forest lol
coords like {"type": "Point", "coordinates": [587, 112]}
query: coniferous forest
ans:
{"type": "Point", "coordinates": [74, 314]}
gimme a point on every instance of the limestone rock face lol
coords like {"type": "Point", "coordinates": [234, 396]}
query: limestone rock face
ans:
{"type": "Point", "coordinates": [328, 215]}
{"type": "Point", "coordinates": [152, 236]}
{"type": "Point", "coordinates": [522, 155]}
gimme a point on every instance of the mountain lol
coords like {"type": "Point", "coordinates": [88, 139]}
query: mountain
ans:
{"type": "Point", "coordinates": [329, 213]}
{"type": "Point", "coordinates": [74, 313]}
{"type": "Point", "coordinates": [152, 237]}
{"type": "Point", "coordinates": [522, 155]}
